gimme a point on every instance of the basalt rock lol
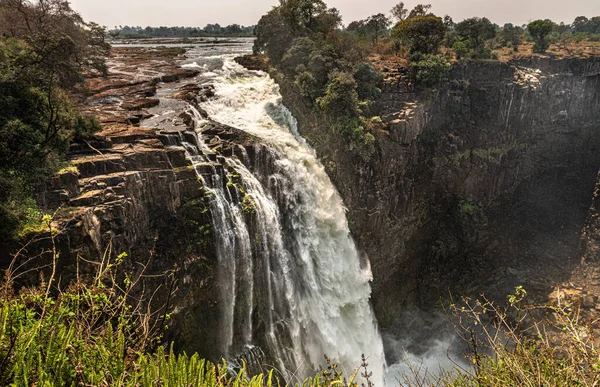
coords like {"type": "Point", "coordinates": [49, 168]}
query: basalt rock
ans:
{"type": "Point", "coordinates": [477, 187]}
{"type": "Point", "coordinates": [134, 190]}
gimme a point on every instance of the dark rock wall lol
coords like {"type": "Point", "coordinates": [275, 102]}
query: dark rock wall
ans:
{"type": "Point", "coordinates": [481, 185]}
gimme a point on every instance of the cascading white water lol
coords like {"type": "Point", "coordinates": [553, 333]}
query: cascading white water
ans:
{"type": "Point", "coordinates": [317, 287]}
{"type": "Point", "coordinates": [290, 276]}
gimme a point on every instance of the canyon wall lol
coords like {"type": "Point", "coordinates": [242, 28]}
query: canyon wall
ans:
{"type": "Point", "coordinates": [478, 186]}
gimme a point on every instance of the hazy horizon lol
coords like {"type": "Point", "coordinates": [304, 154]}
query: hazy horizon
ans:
{"type": "Point", "coordinates": [247, 12]}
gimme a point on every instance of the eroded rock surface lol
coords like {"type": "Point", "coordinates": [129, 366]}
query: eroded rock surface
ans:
{"type": "Point", "coordinates": [479, 187]}
{"type": "Point", "coordinates": [133, 189]}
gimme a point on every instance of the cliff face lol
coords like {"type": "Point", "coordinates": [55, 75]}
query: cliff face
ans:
{"type": "Point", "coordinates": [480, 186]}
{"type": "Point", "coordinates": [131, 189]}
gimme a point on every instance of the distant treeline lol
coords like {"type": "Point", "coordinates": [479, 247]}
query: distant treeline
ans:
{"type": "Point", "coordinates": [127, 32]}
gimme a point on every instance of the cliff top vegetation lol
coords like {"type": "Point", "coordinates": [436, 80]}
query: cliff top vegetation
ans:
{"type": "Point", "coordinates": [45, 48]}
{"type": "Point", "coordinates": [337, 68]}
{"type": "Point", "coordinates": [210, 30]}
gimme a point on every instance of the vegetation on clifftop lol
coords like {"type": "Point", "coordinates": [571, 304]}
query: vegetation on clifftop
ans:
{"type": "Point", "coordinates": [334, 67]}
{"type": "Point", "coordinates": [45, 49]}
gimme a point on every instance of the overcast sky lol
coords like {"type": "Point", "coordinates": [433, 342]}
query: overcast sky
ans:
{"type": "Point", "coordinates": [247, 12]}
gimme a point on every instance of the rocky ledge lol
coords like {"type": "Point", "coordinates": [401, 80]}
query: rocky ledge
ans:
{"type": "Point", "coordinates": [132, 189]}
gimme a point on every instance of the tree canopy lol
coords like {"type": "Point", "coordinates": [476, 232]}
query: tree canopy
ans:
{"type": "Point", "coordinates": [539, 30]}
{"type": "Point", "coordinates": [422, 34]}
{"type": "Point", "coordinates": [48, 47]}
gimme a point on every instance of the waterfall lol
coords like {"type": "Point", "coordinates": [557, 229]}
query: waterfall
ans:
{"type": "Point", "coordinates": [290, 277]}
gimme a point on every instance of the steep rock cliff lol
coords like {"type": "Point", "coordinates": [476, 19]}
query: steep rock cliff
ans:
{"type": "Point", "coordinates": [481, 185]}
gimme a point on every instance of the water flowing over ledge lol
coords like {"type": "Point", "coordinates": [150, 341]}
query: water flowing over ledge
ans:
{"type": "Point", "coordinates": [290, 277]}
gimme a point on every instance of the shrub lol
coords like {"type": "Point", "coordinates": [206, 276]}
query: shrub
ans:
{"type": "Point", "coordinates": [308, 85]}
{"type": "Point", "coordinates": [96, 332]}
{"type": "Point", "coordinates": [431, 70]}
{"type": "Point", "coordinates": [298, 54]}
{"type": "Point", "coordinates": [341, 98]}
{"type": "Point", "coordinates": [367, 79]}
{"type": "Point", "coordinates": [461, 49]}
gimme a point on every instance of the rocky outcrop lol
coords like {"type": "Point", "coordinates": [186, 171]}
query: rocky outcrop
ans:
{"type": "Point", "coordinates": [481, 185]}
{"type": "Point", "coordinates": [132, 189]}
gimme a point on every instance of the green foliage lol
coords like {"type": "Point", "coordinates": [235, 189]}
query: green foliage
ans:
{"type": "Point", "coordinates": [249, 205]}
{"type": "Point", "coordinates": [399, 12]}
{"type": "Point", "coordinates": [355, 132]}
{"type": "Point", "coordinates": [511, 36]}
{"type": "Point", "coordinates": [90, 336]}
{"type": "Point", "coordinates": [430, 70]}
{"type": "Point", "coordinates": [341, 98]}
{"type": "Point", "coordinates": [539, 30]}
{"type": "Point", "coordinates": [585, 25]}
{"type": "Point", "coordinates": [508, 347]}
{"type": "Point", "coordinates": [475, 32]}
{"type": "Point", "coordinates": [308, 85]}
{"type": "Point", "coordinates": [298, 54]}
{"type": "Point", "coordinates": [97, 332]}
{"type": "Point", "coordinates": [377, 25]}
{"type": "Point", "coordinates": [367, 79]}
{"type": "Point", "coordinates": [420, 10]}
{"type": "Point", "coordinates": [290, 20]}
{"type": "Point", "coordinates": [197, 222]}
{"type": "Point", "coordinates": [422, 34]}
{"type": "Point", "coordinates": [41, 57]}
{"type": "Point", "coordinates": [328, 66]}
{"type": "Point", "coordinates": [461, 49]}
{"type": "Point", "coordinates": [468, 207]}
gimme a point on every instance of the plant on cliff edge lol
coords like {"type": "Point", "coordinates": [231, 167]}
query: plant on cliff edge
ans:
{"type": "Point", "coordinates": [539, 30]}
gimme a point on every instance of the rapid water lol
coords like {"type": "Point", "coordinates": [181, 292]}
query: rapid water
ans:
{"type": "Point", "coordinates": [290, 277]}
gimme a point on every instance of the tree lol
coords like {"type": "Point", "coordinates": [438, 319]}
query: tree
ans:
{"type": "Point", "coordinates": [420, 10]}
{"type": "Point", "coordinates": [561, 29]}
{"type": "Point", "coordinates": [580, 24]}
{"type": "Point", "coordinates": [422, 34]}
{"type": "Point", "coordinates": [62, 42]}
{"type": "Point", "coordinates": [539, 30]}
{"type": "Point", "coordinates": [512, 35]}
{"type": "Point", "coordinates": [367, 79]}
{"type": "Point", "coordinates": [341, 98]}
{"type": "Point", "coordinates": [476, 31]}
{"type": "Point", "coordinates": [273, 35]}
{"type": "Point", "coordinates": [377, 25]}
{"type": "Point", "coordinates": [399, 12]}
{"type": "Point", "coordinates": [298, 54]}
{"type": "Point", "coordinates": [292, 19]}
{"type": "Point", "coordinates": [45, 49]}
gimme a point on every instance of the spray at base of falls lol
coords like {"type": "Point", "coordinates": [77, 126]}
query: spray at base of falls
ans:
{"type": "Point", "coordinates": [290, 278]}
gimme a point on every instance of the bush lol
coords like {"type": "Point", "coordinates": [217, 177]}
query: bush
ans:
{"type": "Point", "coordinates": [430, 70]}
{"type": "Point", "coordinates": [461, 49]}
{"type": "Point", "coordinates": [298, 54]}
{"type": "Point", "coordinates": [96, 332]}
{"type": "Point", "coordinates": [507, 346]}
{"type": "Point", "coordinates": [341, 98]}
{"type": "Point", "coordinates": [41, 59]}
{"type": "Point", "coordinates": [367, 79]}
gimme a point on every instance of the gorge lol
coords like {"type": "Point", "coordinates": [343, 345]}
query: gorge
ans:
{"type": "Point", "coordinates": [480, 187]}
